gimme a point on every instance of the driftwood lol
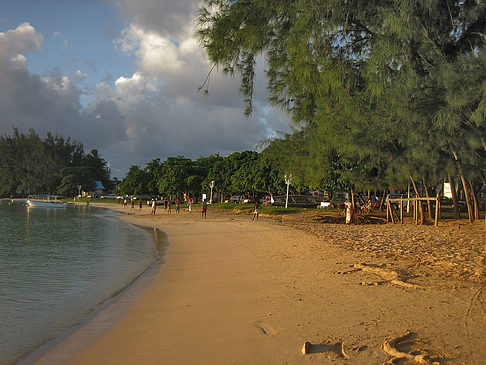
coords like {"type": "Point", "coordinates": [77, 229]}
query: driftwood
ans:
{"type": "Point", "coordinates": [390, 347]}
{"type": "Point", "coordinates": [336, 349]}
{"type": "Point", "coordinates": [387, 275]}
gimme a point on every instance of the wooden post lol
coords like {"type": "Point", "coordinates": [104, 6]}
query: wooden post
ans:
{"type": "Point", "coordinates": [437, 209]}
{"type": "Point", "coordinates": [382, 200]}
{"type": "Point", "coordinates": [408, 201]}
{"type": "Point", "coordinates": [391, 212]}
{"type": "Point", "coordinates": [429, 202]}
{"type": "Point", "coordinates": [416, 211]}
{"type": "Point", "coordinates": [454, 197]}
{"type": "Point", "coordinates": [418, 202]}
{"type": "Point", "coordinates": [387, 211]}
{"type": "Point", "coordinates": [401, 211]}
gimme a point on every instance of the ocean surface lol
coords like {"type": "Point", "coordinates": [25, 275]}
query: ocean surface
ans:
{"type": "Point", "coordinates": [58, 265]}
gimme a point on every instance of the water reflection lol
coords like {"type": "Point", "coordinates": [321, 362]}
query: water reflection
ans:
{"type": "Point", "coordinates": [57, 265]}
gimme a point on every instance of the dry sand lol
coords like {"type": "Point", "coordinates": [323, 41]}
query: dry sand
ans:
{"type": "Point", "coordinates": [232, 291]}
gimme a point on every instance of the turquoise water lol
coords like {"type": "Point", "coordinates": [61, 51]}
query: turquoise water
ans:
{"type": "Point", "coordinates": [59, 264]}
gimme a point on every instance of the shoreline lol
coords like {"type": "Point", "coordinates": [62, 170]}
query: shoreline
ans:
{"type": "Point", "coordinates": [108, 312]}
{"type": "Point", "coordinates": [235, 291]}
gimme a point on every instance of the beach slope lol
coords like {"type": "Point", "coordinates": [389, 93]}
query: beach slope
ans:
{"type": "Point", "coordinates": [233, 291]}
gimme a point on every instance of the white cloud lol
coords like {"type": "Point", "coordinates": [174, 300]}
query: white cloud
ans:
{"type": "Point", "coordinates": [155, 54]}
{"type": "Point", "coordinates": [18, 61]}
{"type": "Point", "coordinates": [51, 102]}
{"type": "Point", "coordinates": [155, 112]}
{"type": "Point", "coordinates": [20, 40]}
{"type": "Point", "coordinates": [78, 77]}
{"type": "Point", "coordinates": [169, 18]}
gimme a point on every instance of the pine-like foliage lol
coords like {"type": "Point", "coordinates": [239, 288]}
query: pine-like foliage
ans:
{"type": "Point", "coordinates": [393, 88]}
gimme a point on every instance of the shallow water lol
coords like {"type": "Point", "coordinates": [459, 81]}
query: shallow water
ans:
{"type": "Point", "coordinates": [57, 265]}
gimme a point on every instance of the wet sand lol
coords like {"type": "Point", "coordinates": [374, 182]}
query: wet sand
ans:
{"type": "Point", "coordinates": [232, 291]}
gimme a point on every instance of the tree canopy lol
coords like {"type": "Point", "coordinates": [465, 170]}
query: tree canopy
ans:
{"type": "Point", "coordinates": [30, 164]}
{"type": "Point", "coordinates": [387, 89]}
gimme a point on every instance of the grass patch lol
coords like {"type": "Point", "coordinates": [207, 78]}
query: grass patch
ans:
{"type": "Point", "coordinates": [95, 200]}
{"type": "Point", "coordinates": [248, 208]}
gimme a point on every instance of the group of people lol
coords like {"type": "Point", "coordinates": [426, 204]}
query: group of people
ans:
{"type": "Point", "coordinates": [168, 206]}
{"type": "Point", "coordinates": [132, 203]}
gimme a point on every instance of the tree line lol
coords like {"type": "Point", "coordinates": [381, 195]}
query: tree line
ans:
{"type": "Point", "coordinates": [383, 93]}
{"type": "Point", "coordinates": [30, 164]}
{"type": "Point", "coordinates": [247, 172]}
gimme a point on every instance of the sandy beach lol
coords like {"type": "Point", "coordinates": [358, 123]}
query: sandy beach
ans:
{"type": "Point", "coordinates": [233, 291]}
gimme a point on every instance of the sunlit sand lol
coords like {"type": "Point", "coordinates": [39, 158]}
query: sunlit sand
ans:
{"type": "Point", "coordinates": [233, 291]}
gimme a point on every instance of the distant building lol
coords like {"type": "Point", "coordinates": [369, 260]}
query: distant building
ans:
{"type": "Point", "coordinates": [99, 188]}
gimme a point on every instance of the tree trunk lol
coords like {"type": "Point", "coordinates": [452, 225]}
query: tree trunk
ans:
{"type": "Point", "coordinates": [454, 197]}
{"type": "Point", "coordinates": [468, 198]}
{"type": "Point", "coordinates": [475, 201]}
{"type": "Point", "coordinates": [417, 194]}
{"type": "Point", "coordinates": [382, 200]}
{"type": "Point", "coordinates": [429, 204]}
{"type": "Point", "coordinates": [464, 185]}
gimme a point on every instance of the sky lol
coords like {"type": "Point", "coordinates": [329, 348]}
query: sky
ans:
{"type": "Point", "coordinates": [121, 76]}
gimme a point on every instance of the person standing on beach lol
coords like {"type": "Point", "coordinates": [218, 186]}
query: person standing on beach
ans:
{"type": "Point", "coordinates": [154, 207]}
{"type": "Point", "coordinates": [132, 201]}
{"type": "Point", "coordinates": [349, 211]}
{"type": "Point", "coordinates": [189, 205]}
{"type": "Point", "coordinates": [204, 208]}
{"type": "Point", "coordinates": [165, 203]}
{"type": "Point", "coordinates": [169, 206]}
{"type": "Point", "coordinates": [256, 211]}
{"type": "Point", "coordinates": [124, 203]}
{"type": "Point", "coordinates": [178, 205]}
{"type": "Point", "coordinates": [140, 204]}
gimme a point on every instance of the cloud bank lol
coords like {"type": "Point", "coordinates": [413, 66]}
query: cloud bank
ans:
{"type": "Point", "coordinates": [155, 112]}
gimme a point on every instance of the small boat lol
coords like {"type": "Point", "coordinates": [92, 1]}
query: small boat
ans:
{"type": "Point", "coordinates": [46, 203]}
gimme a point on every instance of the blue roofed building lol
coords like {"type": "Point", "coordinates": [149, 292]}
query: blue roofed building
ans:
{"type": "Point", "coordinates": [99, 188]}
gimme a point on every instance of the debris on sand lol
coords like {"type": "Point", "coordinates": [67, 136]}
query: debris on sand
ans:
{"type": "Point", "coordinates": [335, 350]}
{"type": "Point", "coordinates": [391, 348]}
{"type": "Point", "coordinates": [387, 275]}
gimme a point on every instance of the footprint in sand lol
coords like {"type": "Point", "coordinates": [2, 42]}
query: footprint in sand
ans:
{"type": "Point", "coordinates": [331, 350]}
{"type": "Point", "coordinates": [264, 328]}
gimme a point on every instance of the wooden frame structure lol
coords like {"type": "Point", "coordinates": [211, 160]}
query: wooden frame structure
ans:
{"type": "Point", "coordinates": [389, 211]}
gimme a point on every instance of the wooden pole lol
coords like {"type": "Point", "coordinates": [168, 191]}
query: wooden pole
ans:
{"type": "Point", "coordinates": [417, 212]}
{"type": "Point", "coordinates": [429, 203]}
{"type": "Point", "coordinates": [454, 197]}
{"type": "Point", "coordinates": [415, 207]}
{"type": "Point", "coordinates": [382, 200]}
{"type": "Point", "coordinates": [437, 209]}
{"type": "Point", "coordinates": [401, 211]}
{"type": "Point", "coordinates": [387, 212]}
{"type": "Point", "coordinates": [418, 202]}
{"type": "Point", "coordinates": [408, 201]}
